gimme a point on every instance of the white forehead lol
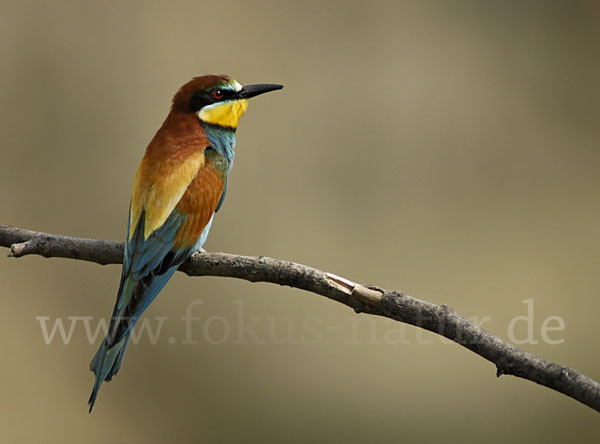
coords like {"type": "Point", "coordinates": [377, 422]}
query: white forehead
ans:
{"type": "Point", "coordinates": [236, 85]}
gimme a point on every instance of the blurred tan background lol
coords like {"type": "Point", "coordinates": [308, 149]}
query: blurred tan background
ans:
{"type": "Point", "coordinates": [446, 149]}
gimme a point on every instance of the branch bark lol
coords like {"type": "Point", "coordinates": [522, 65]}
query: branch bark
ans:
{"type": "Point", "coordinates": [440, 319]}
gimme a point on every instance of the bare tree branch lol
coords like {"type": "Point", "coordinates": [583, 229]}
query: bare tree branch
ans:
{"type": "Point", "coordinates": [509, 360]}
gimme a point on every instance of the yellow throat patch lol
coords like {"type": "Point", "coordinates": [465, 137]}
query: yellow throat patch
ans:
{"type": "Point", "coordinates": [225, 114]}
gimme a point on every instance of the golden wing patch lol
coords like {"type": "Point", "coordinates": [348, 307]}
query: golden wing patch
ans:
{"type": "Point", "coordinates": [159, 186]}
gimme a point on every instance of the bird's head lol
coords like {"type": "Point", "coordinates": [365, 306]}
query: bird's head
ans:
{"type": "Point", "coordinates": [218, 99]}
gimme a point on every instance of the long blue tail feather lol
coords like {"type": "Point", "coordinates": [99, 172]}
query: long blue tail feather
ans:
{"type": "Point", "coordinates": [109, 357]}
{"type": "Point", "coordinates": [106, 364]}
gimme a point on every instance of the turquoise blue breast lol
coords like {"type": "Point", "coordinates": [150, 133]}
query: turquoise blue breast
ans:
{"type": "Point", "coordinates": [222, 140]}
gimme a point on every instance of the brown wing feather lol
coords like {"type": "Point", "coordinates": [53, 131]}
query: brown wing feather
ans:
{"type": "Point", "coordinates": [199, 203]}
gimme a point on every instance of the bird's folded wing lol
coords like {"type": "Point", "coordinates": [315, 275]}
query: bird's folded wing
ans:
{"type": "Point", "coordinates": [166, 222]}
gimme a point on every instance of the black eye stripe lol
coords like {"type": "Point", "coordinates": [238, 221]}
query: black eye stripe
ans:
{"type": "Point", "coordinates": [225, 94]}
{"type": "Point", "coordinates": [206, 97]}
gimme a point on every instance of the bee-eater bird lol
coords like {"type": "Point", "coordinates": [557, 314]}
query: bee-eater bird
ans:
{"type": "Point", "coordinates": [179, 186]}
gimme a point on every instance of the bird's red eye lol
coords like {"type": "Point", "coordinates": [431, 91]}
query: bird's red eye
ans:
{"type": "Point", "coordinates": [217, 94]}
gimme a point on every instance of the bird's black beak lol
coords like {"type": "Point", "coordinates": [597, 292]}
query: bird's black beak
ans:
{"type": "Point", "coordinates": [254, 90]}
